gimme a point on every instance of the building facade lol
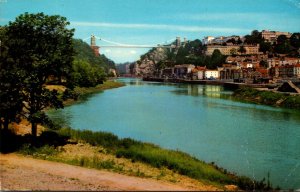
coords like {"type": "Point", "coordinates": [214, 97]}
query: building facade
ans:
{"type": "Point", "coordinates": [232, 49]}
{"type": "Point", "coordinates": [214, 74]}
{"type": "Point", "coordinates": [271, 36]}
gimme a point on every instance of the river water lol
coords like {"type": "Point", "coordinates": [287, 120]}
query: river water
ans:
{"type": "Point", "coordinates": [202, 120]}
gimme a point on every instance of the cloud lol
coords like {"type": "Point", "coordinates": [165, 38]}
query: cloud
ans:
{"type": "Point", "coordinates": [238, 16]}
{"type": "Point", "coordinates": [186, 28]}
{"type": "Point", "coordinates": [133, 52]}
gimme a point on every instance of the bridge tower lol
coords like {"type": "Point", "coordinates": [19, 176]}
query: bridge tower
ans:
{"type": "Point", "coordinates": [178, 42]}
{"type": "Point", "coordinates": [94, 47]}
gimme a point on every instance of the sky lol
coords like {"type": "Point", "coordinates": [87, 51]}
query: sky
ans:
{"type": "Point", "coordinates": [152, 22]}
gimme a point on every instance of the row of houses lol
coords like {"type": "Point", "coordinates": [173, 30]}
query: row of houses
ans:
{"type": "Point", "coordinates": [242, 72]}
{"type": "Point", "coordinates": [189, 71]}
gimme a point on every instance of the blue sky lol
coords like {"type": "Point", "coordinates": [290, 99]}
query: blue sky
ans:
{"type": "Point", "coordinates": [156, 21]}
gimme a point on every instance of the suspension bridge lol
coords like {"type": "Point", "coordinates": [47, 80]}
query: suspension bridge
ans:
{"type": "Point", "coordinates": [112, 44]}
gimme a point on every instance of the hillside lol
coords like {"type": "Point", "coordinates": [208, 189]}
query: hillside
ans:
{"type": "Point", "coordinates": [84, 52]}
{"type": "Point", "coordinates": [191, 52]}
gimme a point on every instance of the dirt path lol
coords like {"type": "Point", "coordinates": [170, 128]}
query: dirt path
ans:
{"type": "Point", "coordinates": [19, 173]}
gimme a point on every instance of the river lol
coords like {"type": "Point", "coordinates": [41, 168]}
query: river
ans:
{"type": "Point", "coordinates": [202, 120]}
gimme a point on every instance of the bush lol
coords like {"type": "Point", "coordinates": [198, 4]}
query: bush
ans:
{"type": "Point", "coordinates": [268, 97]}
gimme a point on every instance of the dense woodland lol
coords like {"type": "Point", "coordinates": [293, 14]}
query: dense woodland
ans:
{"type": "Point", "coordinates": [36, 50]}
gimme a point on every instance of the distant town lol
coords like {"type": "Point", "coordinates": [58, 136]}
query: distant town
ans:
{"type": "Point", "coordinates": [262, 57]}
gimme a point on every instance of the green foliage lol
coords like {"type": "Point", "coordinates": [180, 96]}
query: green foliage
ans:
{"type": "Point", "coordinates": [283, 45]}
{"type": "Point", "coordinates": [174, 160]}
{"type": "Point", "coordinates": [39, 46]}
{"type": "Point", "coordinates": [85, 53]}
{"type": "Point", "coordinates": [184, 54]}
{"type": "Point", "coordinates": [44, 151]}
{"type": "Point", "coordinates": [295, 40]}
{"type": "Point", "coordinates": [87, 75]}
{"type": "Point", "coordinates": [155, 156]}
{"type": "Point", "coordinates": [10, 86]}
{"type": "Point", "coordinates": [94, 138]}
{"type": "Point", "coordinates": [254, 38]}
{"type": "Point", "coordinates": [191, 53]}
{"type": "Point", "coordinates": [265, 47]}
{"type": "Point", "coordinates": [268, 97]}
{"type": "Point", "coordinates": [216, 60]}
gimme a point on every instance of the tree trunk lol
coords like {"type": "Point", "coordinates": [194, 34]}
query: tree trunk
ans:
{"type": "Point", "coordinates": [33, 129]}
{"type": "Point", "coordinates": [5, 124]}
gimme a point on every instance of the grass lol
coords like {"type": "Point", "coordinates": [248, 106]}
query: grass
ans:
{"type": "Point", "coordinates": [155, 156]}
{"type": "Point", "coordinates": [98, 88]}
{"type": "Point", "coordinates": [48, 146]}
{"type": "Point", "coordinates": [80, 93]}
{"type": "Point", "coordinates": [268, 98]}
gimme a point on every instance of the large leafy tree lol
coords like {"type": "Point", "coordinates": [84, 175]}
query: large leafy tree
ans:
{"type": "Point", "coordinates": [40, 46]}
{"type": "Point", "coordinates": [10, 92]}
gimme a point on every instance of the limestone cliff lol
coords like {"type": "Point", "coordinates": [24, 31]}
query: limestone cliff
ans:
{"type": "Point", "coordinates": [146, 66]}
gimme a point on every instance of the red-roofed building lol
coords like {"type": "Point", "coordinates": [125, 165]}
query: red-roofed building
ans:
{"type": "Point", "coordinates": [198, 73]}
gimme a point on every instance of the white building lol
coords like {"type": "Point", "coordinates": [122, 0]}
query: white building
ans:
{"type": "Point", "coordinates": [207, 40]}
{"type": "Point", "coordinates": [212, 74]}
{"type": "Point", "coordinates": [297, 70]}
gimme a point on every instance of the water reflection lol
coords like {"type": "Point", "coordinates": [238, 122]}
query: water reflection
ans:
{"type": "Point", "coordinates": [202, 90]}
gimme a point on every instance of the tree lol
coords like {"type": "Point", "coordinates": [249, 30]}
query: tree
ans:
{"type": "Point", "coordinates": [232, 40]}
{"type": "Point", "coordinates": [242, 50]}
{"type": "Point", "coordinates": [40, 46]}
{"type": "Point", "coordinates": [283, 45]}
{"type": "Point", "coordinates": [254, 38]}
{"type": "Point", "coordinates": [86, 75]}
{"type": "Point", "coordinates": [295, 40]}
{"type": "Point", "coordinates": [217, 59]}
{"type": "Point", "coordinates": [265, 47]}
{"type": "Point", "coordinates": [10, 92]}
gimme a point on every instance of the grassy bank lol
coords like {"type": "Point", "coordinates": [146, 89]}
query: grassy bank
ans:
{"type": "Point", "coordinates": [268, 98]}
{"type": "Point", "coordinates": [80, 93]}
{"type": "Point", "coordinates": [136, 151]}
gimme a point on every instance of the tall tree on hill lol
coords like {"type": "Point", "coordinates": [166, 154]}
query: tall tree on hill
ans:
{"type": "Point", "coordinates": [295, 40]}
{"type": "Point", "coordinates": [254, 38]}
{"type": "Point", "coordinates": [216, 60]}
{"type": "Point", "coordinates": [282, 45]}
{"type": "Point", "coordinates": [41, 46]}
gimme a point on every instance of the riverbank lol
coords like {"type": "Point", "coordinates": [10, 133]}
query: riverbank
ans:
{"type": "Point", "coordinates": [276, 99]}
{"type": "Point", "coordinates": [135, 152]}
{"type": "Point", "coordinates": [80, 93]}
{"type": "Point", "coordinates": [93, 159]}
